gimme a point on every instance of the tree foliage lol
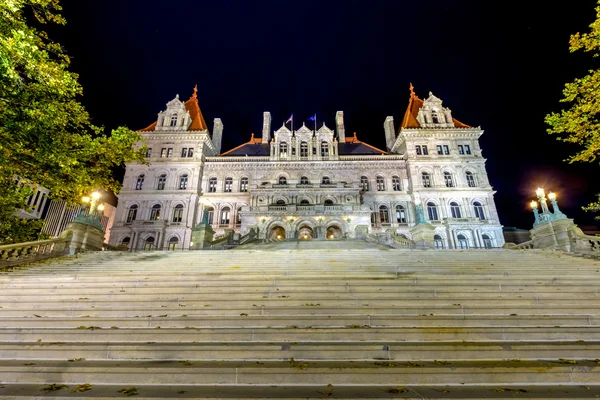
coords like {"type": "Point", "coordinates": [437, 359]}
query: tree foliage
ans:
{"type": "Point", "coordinates": [580, 124]}
{"type": "Point", "coordinates": [46, 137]}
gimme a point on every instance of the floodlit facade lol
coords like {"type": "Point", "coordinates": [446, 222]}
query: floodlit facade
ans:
{"type": "Point", "coordinates": [307, 183]}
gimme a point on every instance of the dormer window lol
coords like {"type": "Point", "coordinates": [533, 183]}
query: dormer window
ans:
{"type": "Point", "coordinates": [283, 148]}
{"type": "Point", "coordinates": [174, 120]}
{"type": "Point", "coordinates": [324, 149]}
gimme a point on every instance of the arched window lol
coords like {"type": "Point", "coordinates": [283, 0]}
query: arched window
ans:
{"type": "Point", "coordinates": [432, 212]}
{"type": "Point", "coordinates": [303, 149]}
{"type": "Point", "coordinates": [364, 183]}
{"type": "Point", "coordinates": [401, 214]}
{"type": "Point", "coordinates": [173, 243]}
{"type": "Point", "coordinates": [212, 185]}
{"type": "Point", "coordinates": [435, 117]}
{"type": "Point", "coordinates": [304, 180]}
{"type": "Point", "coordinates": [380, 184]}
{"type": "Point", "coordinates": [139, 183]}
{"type": "Point", "coordinates": [325, 180]}
{"type": "Point", "coordinates": [463, 243]}
{"type": "Point", "coordinates": [178, 213]}
{"type": "Point", "coordinates": [448, 179]}
{"type": "Point", "coordinates": [438, 242]}
{"type": "Point", "coordinates": [162, 179]}
{"type": "Point", "coordinates": [487, 241]}
{"type": "Point", "coordinates": [324, 149]}
{"type": "Point", "coordinates": [283, 147]}
{"type": "Point", "coordinates": [125, 241]}
{"type": "Point", "coordinates": [244, 184]}
{"type": "Point", "coordinates": [478, 208]}
{"type": "Point", "coordinates": [455, 210]}
{"type": "Point", "coordinates": [225, 215]}
{"type": "Point", "coordinates": [210, 215]}
{"type": "Point", "coordinates": [228, 185]}
{"type": "Point", "coordinates": [396, 184]}
{"type": "Point", "coordinates": [470, 179]}
{"type": "Point", "coordinates": [155, 213]}
{"type": "Point", "coordinates": [132, 213]}
{"type": "Point", "coordinates": [183, 182]}
{"type": "Point", "coordinates": [174, 120]}
{"type": "Point", "coordinates": [282, 180]}
{"type": "Point", "coordinates": [426, 179]}
{"type": "Point", "coordinates": [328, 202]}
{"type": "Point", "coordinates": [238, 216]}
{"type": "Point", "coordinates": [304, 201]}
{"type": "Point", "coordinates": [280, 202]}
{"type": "Point", "coordinates": [149, 243]}
{"type": "Point", "coordinates": [384, 215]}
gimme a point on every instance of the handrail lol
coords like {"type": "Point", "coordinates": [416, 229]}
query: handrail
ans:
{"type": "Point", "coordinates": [587, 244]}
{"type": "Point", "coordinates": [19, 253]}
{"type": "Point", "coordinates": [522, 246]}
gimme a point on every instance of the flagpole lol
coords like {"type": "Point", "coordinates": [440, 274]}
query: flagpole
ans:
{"type": "Point", "coordinates": [315, 123]}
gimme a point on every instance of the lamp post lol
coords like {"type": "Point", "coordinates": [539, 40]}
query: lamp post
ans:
{"type": "Point", "coordinates": [95, 213]}
{"type": "Point", "coordinates": [557, 213]}
{"type": "Point", "coordinates": [536, 213]}
{"type": "Point", "coordinates": [542, 199]}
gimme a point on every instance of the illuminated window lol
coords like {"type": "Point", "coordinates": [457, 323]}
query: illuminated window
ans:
{"type": "Point", "coordinates": [183, 182]}
{"type": "Point", "coordinates": [178, 213]}
{"type": "Point", "coordinates": [225, 215]}
{"type": "Point", "coordinates": [467, 149]}
{"type": "Point", "coordinates": [396, 184]}
{"type": "Point", "coordinates": [384, 215]}
{"type": "Point", "coordinates": [149, 243]}
{"type": "Point", "coordinates": [283, 148]}
{"type": "Point", "coordinates": [426, 178]}
{"type": "Point", "coordinates": [228, 185]}
{"type": "Point", "coordinates": [162, 179]}
{"type": "Point", "coordinates": [461, 149]}
{"type": "Point", "coordinates": [173, 243]}
{"type": "Point", "coordinates": [380, 184]}
{"type": "Point", "coordinates": [132, 213]}
{"type": "Point", "coordinates": [364, 183]}
{"type": "Point", "coordinates": [446, 150]}
{"type": "Point", "coordinates": [400, 214]}
{"type": "Point", "coordinates": [244, 184]}
{"type": "Point", "coordinates": [155, 213]}
{"type": "Point", "coordinates": [169, 152]}
{"type": "Point", "coordinates": [303, 149]}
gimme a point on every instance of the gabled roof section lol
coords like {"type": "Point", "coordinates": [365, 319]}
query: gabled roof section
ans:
{"type": "Point", "coordinates": [414, 105]}
{"type": "Point", "coordinates": [355, 147]}
{"type": "Point", "coordinates": [149, 128]}
{"type": "Point", "coordinates": [254, 147]}
{"type": "Point", "coordinates": [198, 123]}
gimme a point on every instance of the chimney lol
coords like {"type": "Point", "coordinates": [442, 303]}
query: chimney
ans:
{"type": "Point", "coordinates": [217, 134]}
{"type": "Point", "coordinates": [390, 135]}
{"type": "Point", "coordinates": [266, 132]}
{"type": "Point", "coordinates": [339, 125]}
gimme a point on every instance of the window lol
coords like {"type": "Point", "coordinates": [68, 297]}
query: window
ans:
{"type": "Point", "coordinates": [455, 210]}
{"type": "Point", "coordinates": [125, 241]}
{"type": "Point", "coordinates": [282, 180]}
{"type": "Point", "coordinates": [174, 120]}
{"type": "Point", "coordinates": [478, 208]}
{"type": "Point", "coordinates": [184, 152]}
{"type": "Point", "coordinates": [132, 213]}
{"type": "Point", "coordinates": [169, 152]}
{"type": "Point", "coordinates": [396, 184]}
{"type": "Point", "coordinates": [325, 180]}
{"type": "Point", "coordinates": [470, 179]}
{"type": "Point", "coordinates": [324, 149]}
{"type": "Point", "coordinates": [418, 149]}
{"type": "Point", "coordinates": [461, 149]}
{"type": "Point", "coordinates": [178, 213]}
{"type": "Point", "coordinates": [283, 149]}
{"type": "Point", "coordinates": [439, 150]}
{"type": "Point", "coordinates": [446, 150]}
{"type": "Point", "coordinates": [426, 179]}
{"type": "Point", "coordinates": [139, 183]}
{"type": "Point", "coordinates": [163, 152]}
{"type": "Point", "coordinates": [400, 214]}
{"type": "Point", "coordinates": [228, 185]}
{"type": "Point", "coordinates": [162, 179]}
{"type": "Point", "coordinates": [238, 216]}
{"type": "Point", "coordinates": [448, 179]}
{"type": "Point", "coordinates": [467, 149]}
{"type": "Point", "coordinates": [304, 202]}
{"type": "Point", "coordinates": [304, 180]}
{"type": "Point", "coordinates": [487, 241]}
{"type": "Point", "coordinates": [280, 202]}
{"type": "Point", "coordinates": [183, 182]}
{"type": "Point", "coordinates": [148, 153]}
{"type": "Point", "coordinates": [384, 215]}
{"type": "Point", "coordinates": [462, 242]}
{"type": "Point", "coordinates": [191, 152]}
{"type": "Point", "coordinates": [328, 202]}
{"type": "Point", "coordinates": [155, 213]}
{"type": "Point", "coordinates": [364, 183]}
{"type": "Point", "coordinates": [244, 184]}
{"type": "Point", "coordinates": [432, 212]}
{"type": "Point", "coordinates": [380, 184]}
{"type": "Point", "coordinates": [173, 243]}
{"type": "Point", "coordinates": [303, 149]}
{"type": "Point", "coordinates": [438, 242]}
{"type": "Point", "coordinates": [225, 214]}
{"type": "Point", "coordinates": [210, 215]}
{"type": "Point", "coordinates": [212, 185]}
{"type": "Point", "coordinates": [149, 243]}
{"type": "Point", "coordinates": [425, 151]}
{"type": "Point", "coordinates": [435, 117]}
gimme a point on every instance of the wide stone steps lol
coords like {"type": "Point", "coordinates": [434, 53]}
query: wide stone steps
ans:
{"type": "Point", "coordinates": [326, 323]}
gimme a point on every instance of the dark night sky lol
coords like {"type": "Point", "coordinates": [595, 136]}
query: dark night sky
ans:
{"type": "Point", "coordinates": [500, 65]}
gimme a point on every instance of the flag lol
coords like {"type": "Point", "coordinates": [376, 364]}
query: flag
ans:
{"type": "Point", "coordinates": [291, 118]}
{"type": "Point", "coordinates": [313, 118]}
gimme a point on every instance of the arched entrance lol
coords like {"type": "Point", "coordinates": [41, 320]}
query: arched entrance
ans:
{"type": "Point", "coordinates": [305, 232]}
{"type": "Point", "coordinates": [277, 232]}
{"type": "Point", "coordinates": [334, 232]}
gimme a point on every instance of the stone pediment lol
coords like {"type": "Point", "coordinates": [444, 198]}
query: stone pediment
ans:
{"type": "Point", "coordinates": [325, 130]}
{"type": "Point", "coordinates": [304, 130]}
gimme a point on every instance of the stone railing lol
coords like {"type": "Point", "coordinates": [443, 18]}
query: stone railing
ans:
{"type": "Point", "coordinates": [248, 237]}
{"type": "Point", "coordinates": [587, 244]}
{"type": "Point", "coordinates": [523, 246]}
{"type": "Point", "coordinates": [402, 242]}
{"type": "Point", "coordinates": [19, 253]}
{"type": "Point", "coordinates": [391, 240]}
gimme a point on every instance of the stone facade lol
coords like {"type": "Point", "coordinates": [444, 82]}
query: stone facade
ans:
{"type": "Point", "coordinates": [309, 183]}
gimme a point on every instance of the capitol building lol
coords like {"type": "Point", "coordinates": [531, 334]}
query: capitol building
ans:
{"type": "Point", "coordinates": [309, 184]}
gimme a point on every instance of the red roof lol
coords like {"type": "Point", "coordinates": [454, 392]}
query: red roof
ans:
{"type": "Point", "coordinates": [414, 105]}
{"type": "Point", "coordinates": [191, 105]}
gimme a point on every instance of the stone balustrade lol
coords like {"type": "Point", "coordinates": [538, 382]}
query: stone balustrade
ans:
{"type": "Point", "coordinates": [18, 253]}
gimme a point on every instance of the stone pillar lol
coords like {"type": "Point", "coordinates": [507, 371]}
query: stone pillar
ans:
{"type": "Point", "coordinates": [558, 234]}
{"type": "Point", "coordinates": [339, 124]}
{"type": "Point", "coordinates": [422, 235]}
{"type": "Point", "coordinates": [217, 134]}
{"type": "Point", "coordinates": [266, 131]}
{"type": "Point", "coordinates": [202, 236]}
{"type": "Point", "coordinates": [390, 135]}
{"type": "Point", "coordinates": [85, 237]}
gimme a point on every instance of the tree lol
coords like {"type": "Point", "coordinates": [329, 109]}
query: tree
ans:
{"type": "Point", "coordinates": [46, 137]}
{"type": "Point", "coordinates": [580, 124]}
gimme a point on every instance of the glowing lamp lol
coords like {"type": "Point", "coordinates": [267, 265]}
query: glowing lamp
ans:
{"type": "Point", "coordinates": [552, 196]}
{"type": "Point", "coordinates": [540, 192]}
{"type": "Point", "coordinates": [278, 236]}
{"type": "Point", "coordinates": [96, 195]}
{"type": "Point", "coordinates": [86, 199]}
{"type": "Point", "coordinates": [533, 204]}
{"type": "Point", "coordinates": [100, 207]}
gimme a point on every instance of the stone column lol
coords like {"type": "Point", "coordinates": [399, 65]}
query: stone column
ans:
{"type": "Point", "coordinates": [85, 237]}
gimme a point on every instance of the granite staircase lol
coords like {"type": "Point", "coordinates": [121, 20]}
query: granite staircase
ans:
{"type": "Point", "coordinates": [302, 323]}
